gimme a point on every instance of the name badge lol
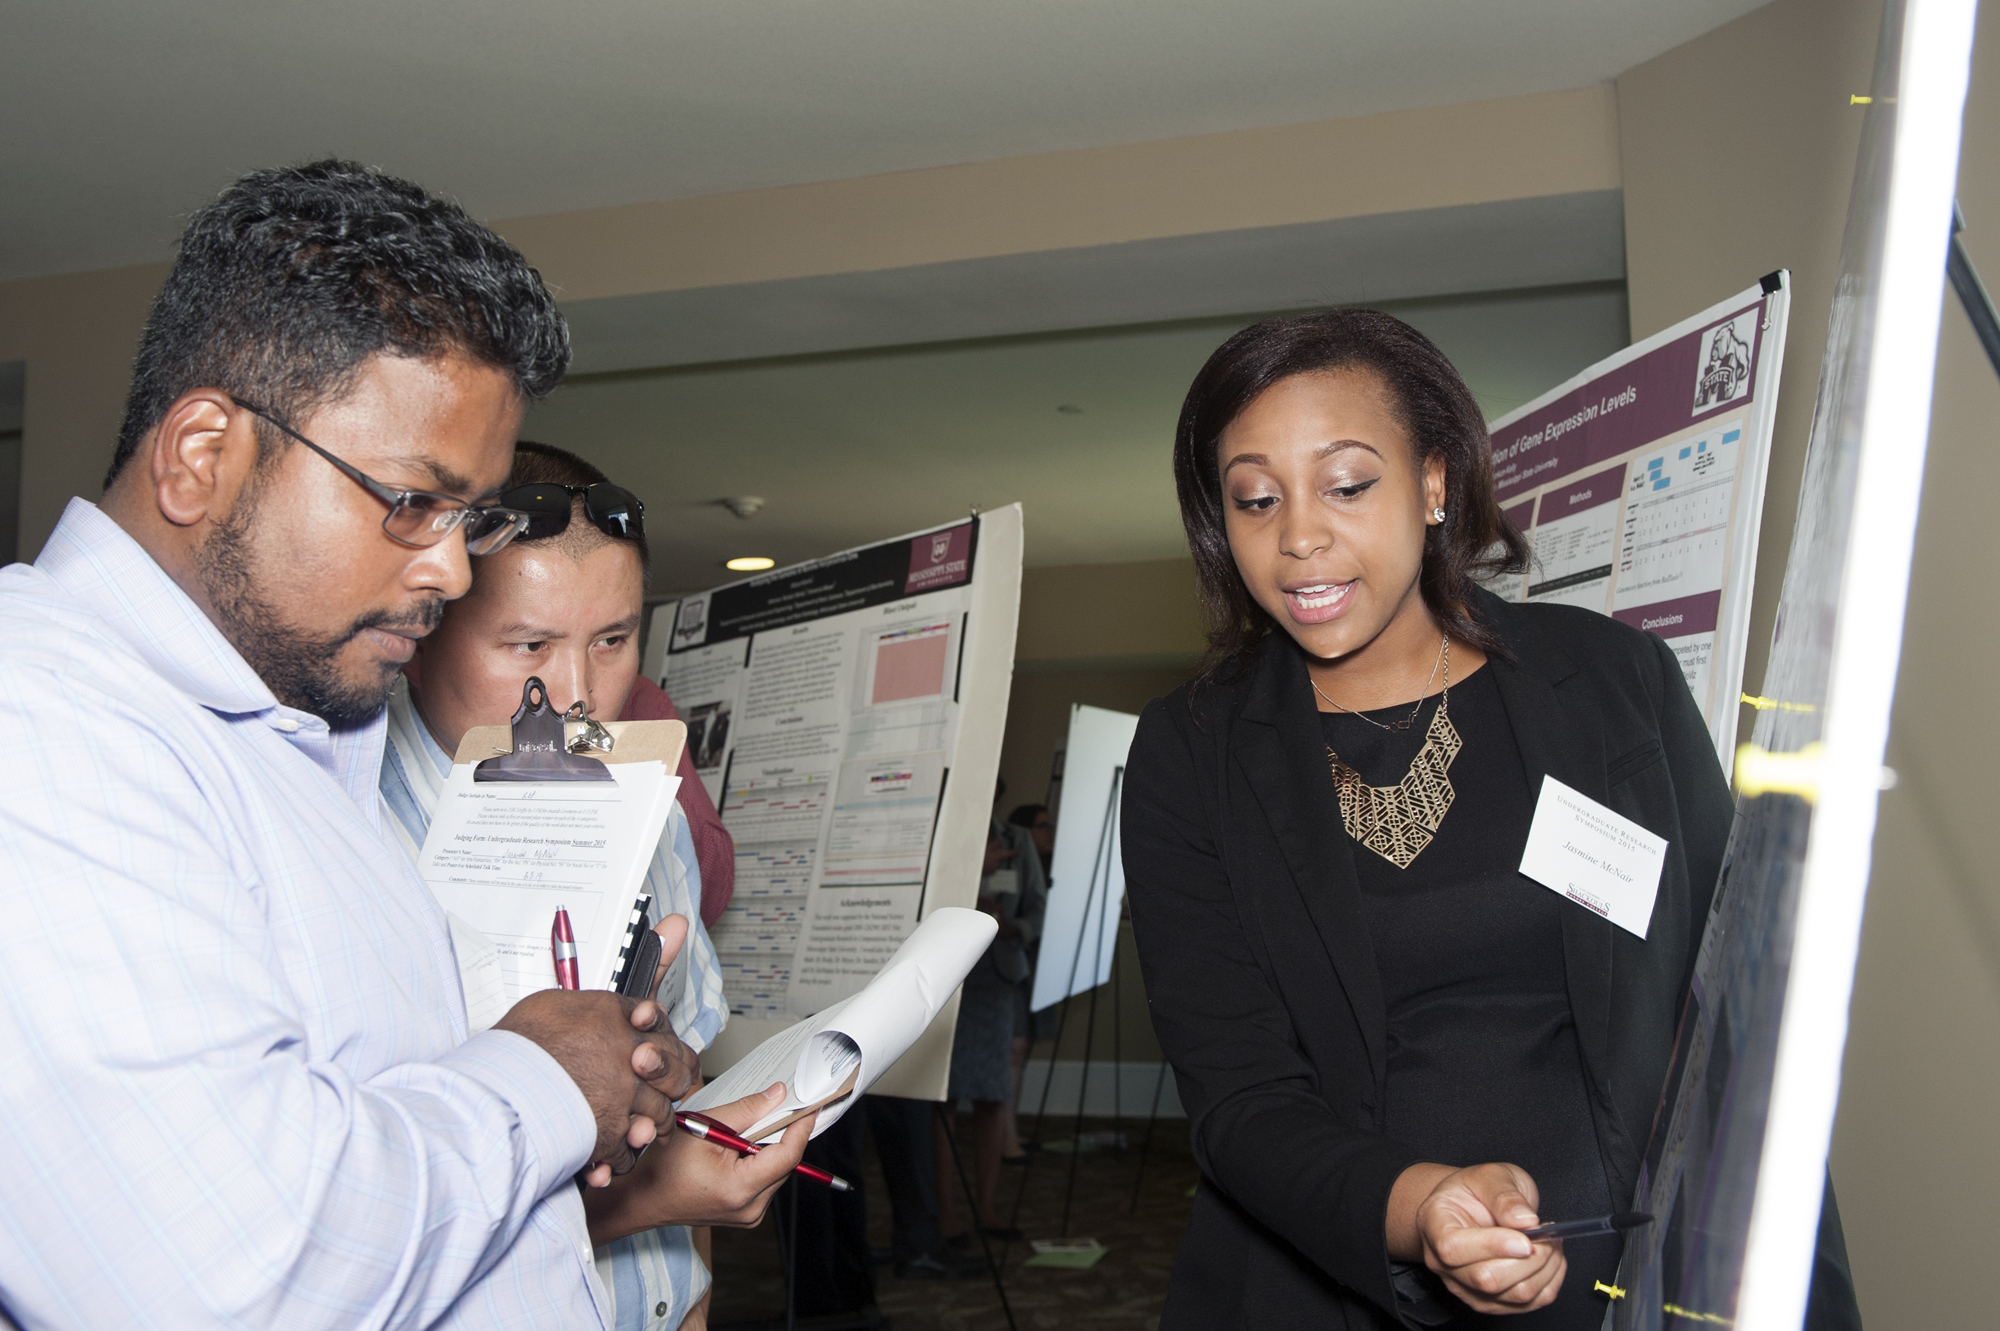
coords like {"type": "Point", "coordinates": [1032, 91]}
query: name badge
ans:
{"type": "Point", "coordinates": [1601, 860]}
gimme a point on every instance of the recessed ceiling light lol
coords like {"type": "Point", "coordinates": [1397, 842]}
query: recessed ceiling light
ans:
{"type": "Point", "coordinates": [749, 564]}
{"type": "Point", "coordinates": [1070, 409]}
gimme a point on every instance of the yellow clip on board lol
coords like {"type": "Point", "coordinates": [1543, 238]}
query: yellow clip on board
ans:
{"type": "Point", "coordinates": [1763, 704]}
{"type": "Point", "coordinates": [1761, 772]}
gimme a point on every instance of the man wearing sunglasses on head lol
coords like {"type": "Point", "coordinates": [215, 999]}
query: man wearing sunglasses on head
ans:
{"type": "Point", "coordinates": [562, 602]}
{"type": "Point", "coordinates": [547, 484]}
{"type": "Point", "coordinates": [240, 1089]}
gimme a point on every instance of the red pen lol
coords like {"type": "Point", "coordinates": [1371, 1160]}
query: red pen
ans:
{"type": "Point", "coordinates": [709, 1130]}
{"type": "Point", "coordinates": [562, 946]}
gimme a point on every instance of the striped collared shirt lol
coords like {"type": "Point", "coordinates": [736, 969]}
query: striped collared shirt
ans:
{"type": "Point", "coordinates": [239, 1090]}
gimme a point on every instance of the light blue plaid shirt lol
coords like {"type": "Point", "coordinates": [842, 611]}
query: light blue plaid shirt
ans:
{"type": "Point", "coordinates": [656, 1276]}
{"type": "Point", "coordinates": [239, 1090]}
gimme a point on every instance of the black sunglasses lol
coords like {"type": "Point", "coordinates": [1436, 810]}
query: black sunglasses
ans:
{"type": "Point", "coordinates": [612, 509]}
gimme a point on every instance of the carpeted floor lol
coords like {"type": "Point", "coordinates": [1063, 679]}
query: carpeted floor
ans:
{"type": "Point", "coordinates": [1123, 1292]}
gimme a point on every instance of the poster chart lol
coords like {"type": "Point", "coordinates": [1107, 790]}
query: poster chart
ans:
{"type": "Point", "coordinates": [846, 717]}
{"type": "Point", "coordinates": [1640, 487]}
{"type": "Point", "coordinates": [1737, 1155]}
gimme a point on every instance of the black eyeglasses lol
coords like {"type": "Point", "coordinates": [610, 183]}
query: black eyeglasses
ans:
{"type": "Point", "coordinates": [420, 518]}
{"type": "Point", "coordinates": [612, 509]}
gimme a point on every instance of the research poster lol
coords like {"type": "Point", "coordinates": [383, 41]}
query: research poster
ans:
{"type": "Point", "coordinates": [1640, 486]}
{"type": "Point", "coordinates": [846, 717]}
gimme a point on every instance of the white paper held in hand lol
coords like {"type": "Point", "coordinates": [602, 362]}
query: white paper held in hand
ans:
{"type": "Point", "coordinates": [502, 856]}
{"type": "Point", "coordinates": [837, 1054]}
{"type": "Point", "coordinates": [1597, 858]}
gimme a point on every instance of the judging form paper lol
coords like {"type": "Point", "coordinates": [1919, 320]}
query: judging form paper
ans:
{"type": "Point", "coordinates": [502, 856]}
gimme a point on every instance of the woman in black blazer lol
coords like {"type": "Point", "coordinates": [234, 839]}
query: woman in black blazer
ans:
{"type": "Point", "coordinates": [1395, 1050]}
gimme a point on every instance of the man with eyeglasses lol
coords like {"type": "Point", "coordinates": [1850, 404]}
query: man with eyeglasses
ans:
{"type": "Point", "coordinates": [240, 1089]}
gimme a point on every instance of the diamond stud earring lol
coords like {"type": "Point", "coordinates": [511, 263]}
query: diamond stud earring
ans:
{"type": "Point", "coordinates": [1437, 515]}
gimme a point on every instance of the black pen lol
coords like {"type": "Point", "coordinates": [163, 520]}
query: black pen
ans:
{"type": "Point", "coordinates": [1601, 1224]}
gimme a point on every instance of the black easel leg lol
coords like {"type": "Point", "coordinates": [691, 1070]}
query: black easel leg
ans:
{"type": "Point", "coordinates": [1041, 1114]}
{"type": "Point", "coordinates": [1146, 1145]}
{"type": "Point", "coordinates": [788, 1249]}
{"type": "Point", "coordinates": [1076, 1135]}
{"type": "Point", "coordinates": [972, 1208]}
{"type": "Point", "coordinates": [1117, 1049]}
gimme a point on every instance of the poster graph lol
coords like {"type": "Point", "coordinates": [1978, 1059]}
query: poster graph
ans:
{"type": "Point", "coordinates": [1640, 486]}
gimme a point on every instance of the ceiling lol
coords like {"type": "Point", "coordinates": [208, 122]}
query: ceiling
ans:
{"type": "Point", "coordinates": [122, 115]}
{"type": "Point", "coordinates": [855, 447]}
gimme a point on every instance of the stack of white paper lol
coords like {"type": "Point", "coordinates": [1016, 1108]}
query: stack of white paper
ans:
{"type": "Point", "coordinates": [502, 856]}
{"type": "Point", "coordinates": [835, 1055]}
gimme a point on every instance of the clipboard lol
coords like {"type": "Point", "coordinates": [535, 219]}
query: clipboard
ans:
{"type": "Point", "coordinates": [544, 744]}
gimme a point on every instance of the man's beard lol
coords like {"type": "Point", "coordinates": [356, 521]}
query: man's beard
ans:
{"type": "Point", "coordinates": [300, 668]}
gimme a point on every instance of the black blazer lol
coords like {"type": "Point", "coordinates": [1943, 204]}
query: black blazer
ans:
{"type": "Point", "coordinates": [1262, 982]}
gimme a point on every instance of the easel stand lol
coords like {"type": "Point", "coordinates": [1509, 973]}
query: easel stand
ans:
{"type": "Point", "coordinates": [944, 1113]}
{"type": "Point", "coordinates": [1096, 911]}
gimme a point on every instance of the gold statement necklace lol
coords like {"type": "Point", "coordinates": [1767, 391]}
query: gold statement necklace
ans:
{"type": "Point", "coordinates": [1397, 822]}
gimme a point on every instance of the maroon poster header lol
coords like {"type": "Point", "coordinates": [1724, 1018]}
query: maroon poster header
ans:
{"type": "Point", "coordinates": [1670, 388]}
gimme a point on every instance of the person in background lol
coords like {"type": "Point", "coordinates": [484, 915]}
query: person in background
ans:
{"type": "Point", "coordinates": [1041, 830]}
{"type": "Point", "coordinates": [990, 1007]}
{"type": "Point", "coordinates": [1029, 1026]}
{"type": "Point", "coordinates": [562, 602]}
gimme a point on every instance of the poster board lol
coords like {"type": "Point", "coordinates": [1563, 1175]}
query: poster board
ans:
{"type": "Point", "coordinates": [846, 716]}
{"type": "Point", "coordinates": [1734, 1167]}
{"type": "Point", "coordinates": [1087, 869]}
{"type": "Point", "coordinates": [1640, 486]}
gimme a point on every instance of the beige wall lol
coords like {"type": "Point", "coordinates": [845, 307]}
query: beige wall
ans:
{"type": "Point", "coordinates": [77, 335]}
{"type": "Point", "coordinates": [1481, 152]}
{"type": "Point", "coordinates": [1104, 635]}
{"type": "Point", "coordinates": [1738, 157]}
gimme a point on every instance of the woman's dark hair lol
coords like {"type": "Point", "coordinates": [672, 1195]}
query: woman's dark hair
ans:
{"type": "Point", "coordinates": [292, 278]}
{"type": "Point", "coordinates": [1475, 540]}
{"type": "Point", "coordinates": [545, 464]}
{"type": "Point", "coordinates": [1024, 815]}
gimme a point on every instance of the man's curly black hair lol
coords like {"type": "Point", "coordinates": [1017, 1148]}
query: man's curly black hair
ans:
{"type": "Point", "coordinates": [293, 277]}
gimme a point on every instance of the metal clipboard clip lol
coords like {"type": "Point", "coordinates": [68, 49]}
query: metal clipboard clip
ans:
{"type": "Point", "coordinates": [538, 753]}
{"type": "Point", "coordinates": [594, 735]}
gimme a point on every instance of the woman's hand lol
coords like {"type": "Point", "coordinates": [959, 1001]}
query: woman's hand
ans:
{"type": "Point", "coordinates": [1465, 1225]}
{"type": "Point", "coordinates": [684, 1180]}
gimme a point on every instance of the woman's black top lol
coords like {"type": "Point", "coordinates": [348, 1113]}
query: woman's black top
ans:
{"type": "Point", "coordinates": [1276, 970]}
{"type": "Point", "coordinates": [1483, 1061]}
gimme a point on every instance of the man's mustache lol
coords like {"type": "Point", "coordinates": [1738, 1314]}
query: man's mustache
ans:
{"type": "Point", "coordinates": [423, 620]}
